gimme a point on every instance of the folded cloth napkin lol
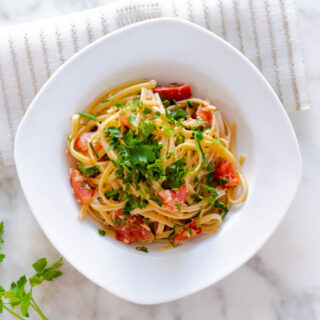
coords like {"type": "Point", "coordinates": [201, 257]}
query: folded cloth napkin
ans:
{"type": "Point", "coordinates": [264, 30]}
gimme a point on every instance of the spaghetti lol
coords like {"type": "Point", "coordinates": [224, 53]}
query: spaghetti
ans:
{"type": "Point", "coordinates": [154, 163]}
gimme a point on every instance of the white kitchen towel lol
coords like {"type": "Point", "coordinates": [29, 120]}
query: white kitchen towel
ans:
{"type": "Point", "coordinates": [264, 30]}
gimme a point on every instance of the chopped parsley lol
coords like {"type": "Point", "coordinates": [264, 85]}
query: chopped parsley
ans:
{"type": "Point", "coordinates": [91, 171]}
{"type": "Point", "coordinates": [117, 105]}
{"type": "Point", "coordinates": [146, 111]}
{"type": "Point", "coordinates": [87, 115]}
{"type": "Point", "coordinates": [133, 203]}
{"type": "Point", "coordinates": [101, 232]}
{"type": "Point", "coordinates": [156, 200]}
{"type": "Point", "coordinates": [175, 174]}
{"type": "Point", "coordinates": [198, 136]}
{"type": "Point", "coordinates": [222, 182]}
{"type": "Point", "coordinates": [94, 151]}
{"type": "Point", "coordinates": [179, 114]}
{"type": "Point", "coordinates": [133, 120]}
{"type": "Point", "coordinates": [143, 249]}
{"type": "Point", "coordinates": [222, 206]}
{"type": "Point", "coordinates": [180, 139]}
{"type": "Point", "coordinates": [216, 141]}
{"type": "Point", "coordinates": [113, 194]}
{"type": "Point", "coordinates": [190, 104]}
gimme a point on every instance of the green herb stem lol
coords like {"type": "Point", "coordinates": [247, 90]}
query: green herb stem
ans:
{"type": "Point", "coordinates": [34, 305]}
{"type": "Point", "coordinates": [94, 151]}
{"type": "Point", "coordinates": [12, 312]}
{"type": "Point", "coordinates": [86, 115]}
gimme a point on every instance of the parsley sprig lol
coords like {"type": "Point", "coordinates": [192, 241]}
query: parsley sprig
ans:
{"type": "Point", "coordinates": [18, 295]}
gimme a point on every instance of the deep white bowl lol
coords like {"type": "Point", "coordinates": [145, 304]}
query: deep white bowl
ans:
{"type": "Point", "coordinates": [167, 50]}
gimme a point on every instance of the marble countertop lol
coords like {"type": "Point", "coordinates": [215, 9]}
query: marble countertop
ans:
{"type": "Point", "coordinates": [282, 281]}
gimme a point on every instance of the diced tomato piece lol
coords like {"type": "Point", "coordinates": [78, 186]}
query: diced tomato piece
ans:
{"type": "Point", "coordinates": [132, 229]}
{"type": "Point", "coordinates": [188, 232]}
{"type": "Point", "coordinates": [124, 121]}
{"type": "Point", "coordinates": [81, 188]}
{"type": "Point", "coordinates": [176, 92]}
{"type": "Point", "coordinates": [225, 171]}
{"type": "Point", "coordinates": [204, 115]}
{"type": "Point", "coordinates": [170, 197]}
{"type": "Point", "coordinates": [82, 143]}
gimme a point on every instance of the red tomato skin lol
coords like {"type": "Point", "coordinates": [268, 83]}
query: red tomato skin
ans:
{"type": "Point", "coordinates": [83, 193]}
{"type": "Point", "coordinates": [225, 171]}
{"type": "Point", "coordinates": [176, 92]}
{"type": "Point", "coordinates": [170, 197]}
{"type": "Point", "coordinates": [185, 234]}
{"type": "Point", "coordinates": [82, 143]}
{"type": "Point", "coordinates": [134, 229]}
{"type": "Point", "coordinates": [204, 115]}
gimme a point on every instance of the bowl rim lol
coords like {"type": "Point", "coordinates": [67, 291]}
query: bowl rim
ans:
{"type": "Point", "coordinates": [90, 47]}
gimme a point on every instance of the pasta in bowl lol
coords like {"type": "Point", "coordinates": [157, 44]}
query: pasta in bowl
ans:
{"type": "Point", "coordinates": [154, 163]}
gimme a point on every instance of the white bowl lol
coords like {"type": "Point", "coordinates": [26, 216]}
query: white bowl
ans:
{"type": "Point", "coordinates": [167, 50]}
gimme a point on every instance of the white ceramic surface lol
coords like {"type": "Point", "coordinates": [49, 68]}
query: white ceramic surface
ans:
{"type": "Point", "coordinates": [217, 72]}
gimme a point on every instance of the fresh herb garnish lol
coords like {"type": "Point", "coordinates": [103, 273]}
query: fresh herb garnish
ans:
{"type": "Point", "coordinates": [143, 249]}
{"type": "Point", "coordinates": [198, 136]}
{"type": "Point", "coordinates": [113, 131]}
{"type": "Point", "coordinates": [133, 203]}
{"type": "Point", "coordinates": [146, 111]}
{"type": "Point", "coordinates": [178, 205]}
{"type": "Point", "coordinates": [101, 232]}
{"type": "Point", "coordinates": [175, 174]}
{"type": "Point", "coordinates": [113, 194]}
{"type": "Point", "coordinates": [18, 296]}
{"type": "Point", "coordinates": [222, 182]}
{"type": "Point", "coordinates": [180, 139]}
{"type": "Point", "coordinates": [91, 171]}
{"type": "Point", "coordinates": [179, 114]}
{"type": "Point", "coordinates": [156, 200]}
{"type": "Point", "coordinates": [116, 104]}
{"type": "Point", "coordinates": [216, 141]}
{"type": "Point", "coordinates": [210, 178]}
{"type": "Point", "coordinates": [87, 115]}
{"type": "Point", "coordinates": [133, 120]}
{"type": "Point", "coordinates": [94, 151]}
{"type": "Point", "coordinates": [190, 104]}
{"type": "Point", "coordinates": [222, 206]}
{"type": "Point", "coordinates": [156, 115]}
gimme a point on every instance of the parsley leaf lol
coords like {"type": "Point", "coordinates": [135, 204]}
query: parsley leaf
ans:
{"type": "Point", "coordinates": [91, 171]}
{"type": "Point", "coordinates": [146, 111]}
{"type": "Point", "coordinates": [190, 104]}
{"type": "Point", "coordinates": [142, 153]}
{"type": "Point", "coordinates": [101, 232]}
{"type": "Point", "coordinates": [133, 203]}
{"type": "Point", "coordinates": [113, 194]}
{"type": "Point", "coordinates": [175, 174]}
{"type": "Point", "coordinates": [179, 114]}
{"type": "Point", "coordinates": [133, 120]}
{"type": "Point", "coordinates": [156, 200]}
{"type": "Point", "coordinates": [117, 105]}
{"type": "Point", "coordinates": [180, 139]}
{"type": "Point", "coordinates": [222, 206]}
{"type": "Point", "coordinates": [143, 249]}
{"type": "Point", "coordinates": [113, 131]}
